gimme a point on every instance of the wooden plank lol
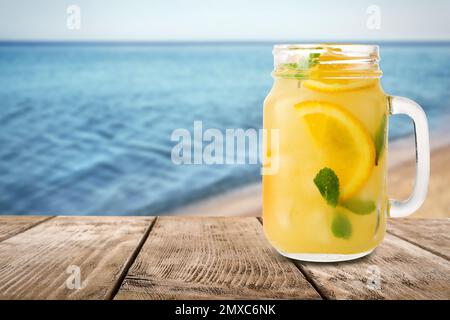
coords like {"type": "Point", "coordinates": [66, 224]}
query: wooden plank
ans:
{"type": "Point", "coordinates": [12, 225]}
{"type": "Point", "coordinates": [36, 264]}
{"type": "Point", "coordinates": [211, 258]}
{"type": "Point", "coordinates": [405, 272]}
{"type": "Point", "coordinates": [432, 235]}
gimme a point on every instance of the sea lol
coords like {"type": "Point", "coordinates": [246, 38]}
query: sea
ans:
{"type": "Point", "coordinates": [85, 127]}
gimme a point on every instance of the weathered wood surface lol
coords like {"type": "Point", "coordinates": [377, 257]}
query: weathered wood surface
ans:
{"type": "Point", "coordinates": [12, 225]}
{"type": "Point", "coordinates": [397, 269]}
{"type": "Point", "coordinates": [208, 258]}
{"type": "Point", "coordinates": [212, 258]}
{"type": "Point", "coordinates": [36, 264]}
{"type": "Point", "coordinates": [432, 235]}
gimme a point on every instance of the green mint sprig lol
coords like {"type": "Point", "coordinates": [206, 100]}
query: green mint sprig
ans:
{"type": "Point", "coordinates": [327, 182]}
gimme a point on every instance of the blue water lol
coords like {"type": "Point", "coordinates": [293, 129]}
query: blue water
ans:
{"type": "Point", "coordinates": [85, 129]}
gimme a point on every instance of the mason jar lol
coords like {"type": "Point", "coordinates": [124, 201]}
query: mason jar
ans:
{"type": "Point", "coordinates": [326, 197]}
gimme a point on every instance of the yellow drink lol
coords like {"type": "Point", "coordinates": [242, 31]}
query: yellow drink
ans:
{"type": "Point", "coordinates": [329, 194]}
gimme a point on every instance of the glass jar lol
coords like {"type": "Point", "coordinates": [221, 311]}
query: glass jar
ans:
{"type": "Point", "coordinates": [327, 199]}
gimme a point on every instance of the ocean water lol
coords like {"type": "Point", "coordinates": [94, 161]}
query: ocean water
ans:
{"type": "Point", "coordinates": [85, 129]}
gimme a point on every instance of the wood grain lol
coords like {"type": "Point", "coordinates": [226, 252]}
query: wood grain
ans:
{"type": "Point", "coordinates": [432, 235]}
{"type": "Point", "coordinates": [407, 272]}
{"type": "Point", "coordinates": [211, 258]}
{"type": "Point", "coordinates": [12, 225]}
{"type": "Point", "coordinates": [33, 264]}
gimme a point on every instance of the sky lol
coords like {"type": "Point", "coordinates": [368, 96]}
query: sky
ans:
{"type": "Point", "coordinates": [227, 20]}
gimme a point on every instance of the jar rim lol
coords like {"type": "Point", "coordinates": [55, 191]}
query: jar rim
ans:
{"type": "Point", "coordinates": [345, 48]}
{"type": "Point", "coordinates": [351, 60]}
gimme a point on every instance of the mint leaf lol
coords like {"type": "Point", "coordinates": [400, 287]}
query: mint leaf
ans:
{"type": "Point", "coordinates": [290, 66]}
{"type": "Point", "coordinates": [328, 184]}
{"type": "Point", "coordinates": [380, 138]}
{"type": "Point", "coordinates": [313, 59]}
{"type": "Point", "coordinates": [359, 206]}
{"type": "Point", "coordinates": [341, 226]}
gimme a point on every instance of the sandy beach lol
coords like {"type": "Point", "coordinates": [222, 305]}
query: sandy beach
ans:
{"type": "Point", "coordinates": [246, 201]}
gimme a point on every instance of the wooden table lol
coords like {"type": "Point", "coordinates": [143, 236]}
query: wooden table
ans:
{"type": "Point", "coordinates": [207, 258]}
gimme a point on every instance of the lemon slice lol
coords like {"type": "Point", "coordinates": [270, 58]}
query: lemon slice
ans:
{"type": "Point", "coordinates": [338, 85]}
{"type": "Point", "coordinates": [343, 143]}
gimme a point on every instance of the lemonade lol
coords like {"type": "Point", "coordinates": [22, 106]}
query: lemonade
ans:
{"type": "Point", "coordinates": [329, 195]}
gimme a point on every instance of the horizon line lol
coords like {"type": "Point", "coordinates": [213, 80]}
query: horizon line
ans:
{"type": "Point", "coordinates": [220, 42]}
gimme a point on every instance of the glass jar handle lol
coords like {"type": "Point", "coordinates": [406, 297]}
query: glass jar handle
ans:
{"type": "Point", "coordinates": [400, 105]}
